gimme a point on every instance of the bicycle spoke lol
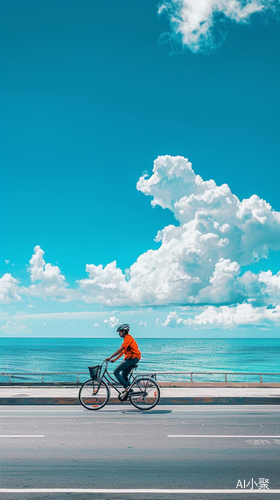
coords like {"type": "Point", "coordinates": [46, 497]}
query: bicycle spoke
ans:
{"type": "Point", "coordinates": [94, 394]}
{"type": "Point", "coordinates": [146, 384]}
{"type": "Point", "coordinates": [149, 393]}
{"type": "Point", "coordinates": [139, 387]}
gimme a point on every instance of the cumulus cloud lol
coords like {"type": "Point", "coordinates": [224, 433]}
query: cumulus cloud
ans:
{"type": "Point", "coordinates": [271, 282]}
{"type": "Point", "coordinates": [174, 321]}
{"type": "Point", "coordinates": [242, 314]}
{"type": "Point", "coordinates": [13, 327]}
{"type": "Point", "coordinates": [212, 211]}
{"type": "Point", "coordinates": [112, 321]}
{"type": "Point", "coordinates": [222, 287]}
{"type": "Point", "coordinates": [47, 279]}
{"type": "Point", "coordinates": [194, 21]}
{"type": "Point", "coordinates": [104, 284]}
{"type": "Point", "coordinates": [200, 260]}
{"type": "Point", "coordinates": [226, 317]}
{"type": "Point", "coordinates": [10, 290]}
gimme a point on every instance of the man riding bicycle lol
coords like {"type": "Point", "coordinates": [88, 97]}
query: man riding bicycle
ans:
{"type": "Point", "coordinates": [132, 355]}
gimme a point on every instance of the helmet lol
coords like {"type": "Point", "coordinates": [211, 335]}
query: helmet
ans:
{"type": "Point", "coordinates": [123, 328]}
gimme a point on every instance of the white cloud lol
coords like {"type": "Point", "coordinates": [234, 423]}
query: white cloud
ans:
{"type": "Point", "coordinates": [112, 321]}
{"type": "Point", "coordinates": [211, 211]}
{"type": "Point", "coordinates": [193, 21]}
{"type": "Point", "coordinates": [143, 323]}
{"type": "Point", "coordinates": [96, 324]}
{"type": "Point", "coordinates": [174, 321]}
{"type": "Point", "coordinates": [271, 282]}
{"type": "Point", "coordinates": [223, 287]}
{"type": "Point", "coordinates": [7, 261]}
{"type": "Point", "coordinates": [242, 314]}
{"type": "Point", "coordinates": [48, 280]}
{"type": "Point", "coordinates": [12, 327]}
{"type": "Point", "coordinates": [104, 284]}
{"type": "Point", "coordinates": [9, 289]}
{"type": "Point", "coordinates": [200, 260]}
{"type": "Point", "coordinates": [226, 317]}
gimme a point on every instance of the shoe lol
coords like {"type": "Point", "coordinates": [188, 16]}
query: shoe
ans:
{"type": "Point", "coordinates": [123, 395]}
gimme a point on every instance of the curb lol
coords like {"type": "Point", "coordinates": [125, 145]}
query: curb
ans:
{"type": "Point", "coordinates": [163, 401]}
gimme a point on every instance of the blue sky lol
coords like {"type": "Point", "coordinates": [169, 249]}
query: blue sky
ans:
{"type": "Point", "coordinates": [91, 93]}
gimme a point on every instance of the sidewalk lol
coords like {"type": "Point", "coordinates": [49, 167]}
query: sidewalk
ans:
{"type": "Point", "coordinates": [184, 395]}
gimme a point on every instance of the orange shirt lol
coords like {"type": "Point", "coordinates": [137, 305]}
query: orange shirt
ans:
{"type": "Point", "coordinates": [130, 348]}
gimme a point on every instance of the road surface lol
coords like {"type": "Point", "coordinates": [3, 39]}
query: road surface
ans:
{"type": "Point", "coordinates": [185, 448]}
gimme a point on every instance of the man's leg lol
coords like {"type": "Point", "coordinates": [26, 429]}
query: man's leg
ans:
{"type": "Point", "coordinates": [123, 367]}
{"type": "Point", "coordinates": [127, 371]}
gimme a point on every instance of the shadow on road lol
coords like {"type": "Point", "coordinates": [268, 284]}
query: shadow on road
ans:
{"type": "Point", "coordinates": [149, 412]}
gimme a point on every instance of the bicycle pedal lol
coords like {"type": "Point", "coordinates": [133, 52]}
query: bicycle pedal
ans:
{"type": "Point", "coordinates": [123, 398]}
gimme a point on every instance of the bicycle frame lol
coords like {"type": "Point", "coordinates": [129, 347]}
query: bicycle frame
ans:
{"type": "Point", "coordinates": [111, 381]}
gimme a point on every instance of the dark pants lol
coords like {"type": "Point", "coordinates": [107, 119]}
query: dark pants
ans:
{"type": "Point", "coordinates": [123, 370]}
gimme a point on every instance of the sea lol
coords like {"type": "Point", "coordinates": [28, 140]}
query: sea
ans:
{"type": "Point", "coordinates": [26, 359]}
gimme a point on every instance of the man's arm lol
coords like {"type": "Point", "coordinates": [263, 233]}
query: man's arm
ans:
{"type": "Point", "coordinates": [119, 351]}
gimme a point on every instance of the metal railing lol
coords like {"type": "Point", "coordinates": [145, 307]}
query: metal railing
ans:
{"type": "Point", "coordinates": [40, 374]}
{"type": "Point", "coordinates": [225, 374]}
{"type": "Point", "coordinates": [154, 373]}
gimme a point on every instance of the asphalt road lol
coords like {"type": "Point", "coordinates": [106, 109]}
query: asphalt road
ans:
{"type": "Point", "coordinates": [172, 448]}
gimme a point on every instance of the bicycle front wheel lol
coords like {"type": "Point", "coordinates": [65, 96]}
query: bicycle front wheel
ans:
{"type": "Point", "coordinates": [94, 394]}
{"type": "Point", "coordinates": [146, 393]}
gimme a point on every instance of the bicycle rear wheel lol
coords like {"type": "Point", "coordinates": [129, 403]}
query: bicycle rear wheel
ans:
{"type": "Point", "coordinates": [94, 394]}
{"type": "Point", "coordinates": [147, 393]}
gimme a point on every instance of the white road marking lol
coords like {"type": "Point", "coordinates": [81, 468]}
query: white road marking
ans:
{"type": "Point", "coordinates": [215, 436]}
{"type": "Point", "coordinates": [156, 491]}
{"type": "Point", "coordinates": [230, 410]}
{"type": "Point", "coordinates": [116, 407]}
{"type": "Point", "coordinates": [218, 408]}
{"type": "Point", "coordinates": [22, 435]}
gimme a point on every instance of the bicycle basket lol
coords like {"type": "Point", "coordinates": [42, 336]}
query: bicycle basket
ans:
{"type": "Point", "coordinates": [94, 371]}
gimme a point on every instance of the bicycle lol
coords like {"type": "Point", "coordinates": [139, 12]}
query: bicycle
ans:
{"type": "Point", "coordinates": [94, 394]}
